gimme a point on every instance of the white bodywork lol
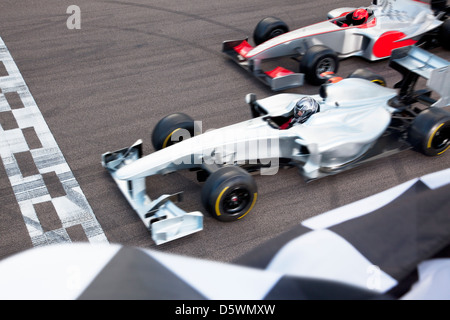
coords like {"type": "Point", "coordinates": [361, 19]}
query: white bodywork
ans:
{"type": "Point", "coordinates": [354, 114]}
{"type": "Point", "coordinates": [392, 24]}
{"type": "Point", "coordinates": [408, 17]}
{"type": "Point", "coordinates": [341, 132]}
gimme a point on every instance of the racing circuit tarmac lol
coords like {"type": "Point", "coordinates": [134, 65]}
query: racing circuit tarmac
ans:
{"type": "Point", "coordinates": [104, 86]}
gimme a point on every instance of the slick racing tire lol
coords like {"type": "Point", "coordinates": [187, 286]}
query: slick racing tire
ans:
{"type": "Point", "coordinates": [229, 194]}
{"type": "Point", "coordinates": [317, 60]}
{"type": "Point", "coordinates": [172, 129]}
{"type": "Point", "coordinates": [444, 34]}
{"type": "Point", "coordinates": [368, 75]}
{"type": "Point", "coordinates": [430, 132]}
{"type": "Point", "coordinates": [269, 28]}
{"type": "Point", "coordinates": [438, 5]}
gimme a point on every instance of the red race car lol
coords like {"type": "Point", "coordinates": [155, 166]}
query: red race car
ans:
{"type": "Point", "coordinates": [371, 32]}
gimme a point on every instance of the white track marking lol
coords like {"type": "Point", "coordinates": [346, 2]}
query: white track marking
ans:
{"type": "Point", "coordinates": [73, 208]}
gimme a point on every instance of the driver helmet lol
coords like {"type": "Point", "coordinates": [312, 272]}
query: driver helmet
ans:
{"type": "Point", "coordinates": [305, 108]}
{"type": "Point", "coordinates": [360, 16]}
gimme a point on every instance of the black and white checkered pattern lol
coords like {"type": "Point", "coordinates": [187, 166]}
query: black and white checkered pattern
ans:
{"type": "Point", "coordinates": [377, 242]}
{"type": "Point", "coordinates": [31, 190]}
{"type": "Point", "coordinates": [392, 245]}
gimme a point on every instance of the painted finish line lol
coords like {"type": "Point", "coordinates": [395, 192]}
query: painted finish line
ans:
{"type": "Point", "coordinates": [25, 135]}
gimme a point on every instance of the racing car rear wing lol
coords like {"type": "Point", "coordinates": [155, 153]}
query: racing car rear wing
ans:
{"type": "Point", "coordinates": [414, 62]}
{"type": "Point", "coordinates": [162, 217]}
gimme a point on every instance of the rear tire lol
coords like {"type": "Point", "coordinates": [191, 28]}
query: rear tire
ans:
{"type": "Point", "coordinates": [317, 60]}
{"type": "Point", "coordinates": [269, 28]}
{"type": "Point", "coordinates": [177, 124]}
{"type": "Point", "coordinates": [229, 194]}
{"type": "Point", "coordinates": [444, 34]}
{"type": "Point", "coordinates": [430, 132]}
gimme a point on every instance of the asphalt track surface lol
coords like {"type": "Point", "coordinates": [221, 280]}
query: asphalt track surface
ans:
{"type": "Point", "coordinates": [102, 87]}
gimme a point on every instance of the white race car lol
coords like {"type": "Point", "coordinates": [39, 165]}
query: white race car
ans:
{"type": "Point", "coordinates": [352, 127]}
{"type": "Point", "coordinates": [371, 32]}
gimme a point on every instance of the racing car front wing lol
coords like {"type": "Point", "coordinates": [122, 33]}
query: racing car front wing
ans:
{"type": "Point", "coordinates": [164, 219]}
{"type": "Point", "coordinates": [277, 79]}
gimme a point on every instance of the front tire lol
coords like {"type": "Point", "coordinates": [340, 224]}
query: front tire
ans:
{"type": "Point", "coordinates": [317, 60]}
{"type": "Point", "coordinates": [177, 125]}
{"type": "Point", "coordinates": [430, 132]}
{"type": "Point", "coordinates": [229, 194]}
{"type": "Point", "coordinates": [269, 28]}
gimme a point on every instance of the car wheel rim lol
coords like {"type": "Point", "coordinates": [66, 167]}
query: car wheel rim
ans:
{"type": "Point", "coordinates": [325, 65]}
{"type": "Point", "coordinates": [276, 33]}
{"type": "Point", "coordinates": [236, 201]}
{"type": "Point", "coordinates": [441, 139]}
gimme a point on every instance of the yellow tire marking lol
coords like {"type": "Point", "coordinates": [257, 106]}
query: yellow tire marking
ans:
{"type": "Point", "coordinates": [217, 207]}
{"type": "Point", "coordinates": [432, 136]}
{"type": "Point", "coordinates": [255, 195]}
{"type": "Point", "coordinates": [380, 82]}
{"type": "Point", "coordinates": [218, 202]}
{"type": "Point", "coordinates": [443, 151]}
{"type": "Point", "coordinates": [168, 138]}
